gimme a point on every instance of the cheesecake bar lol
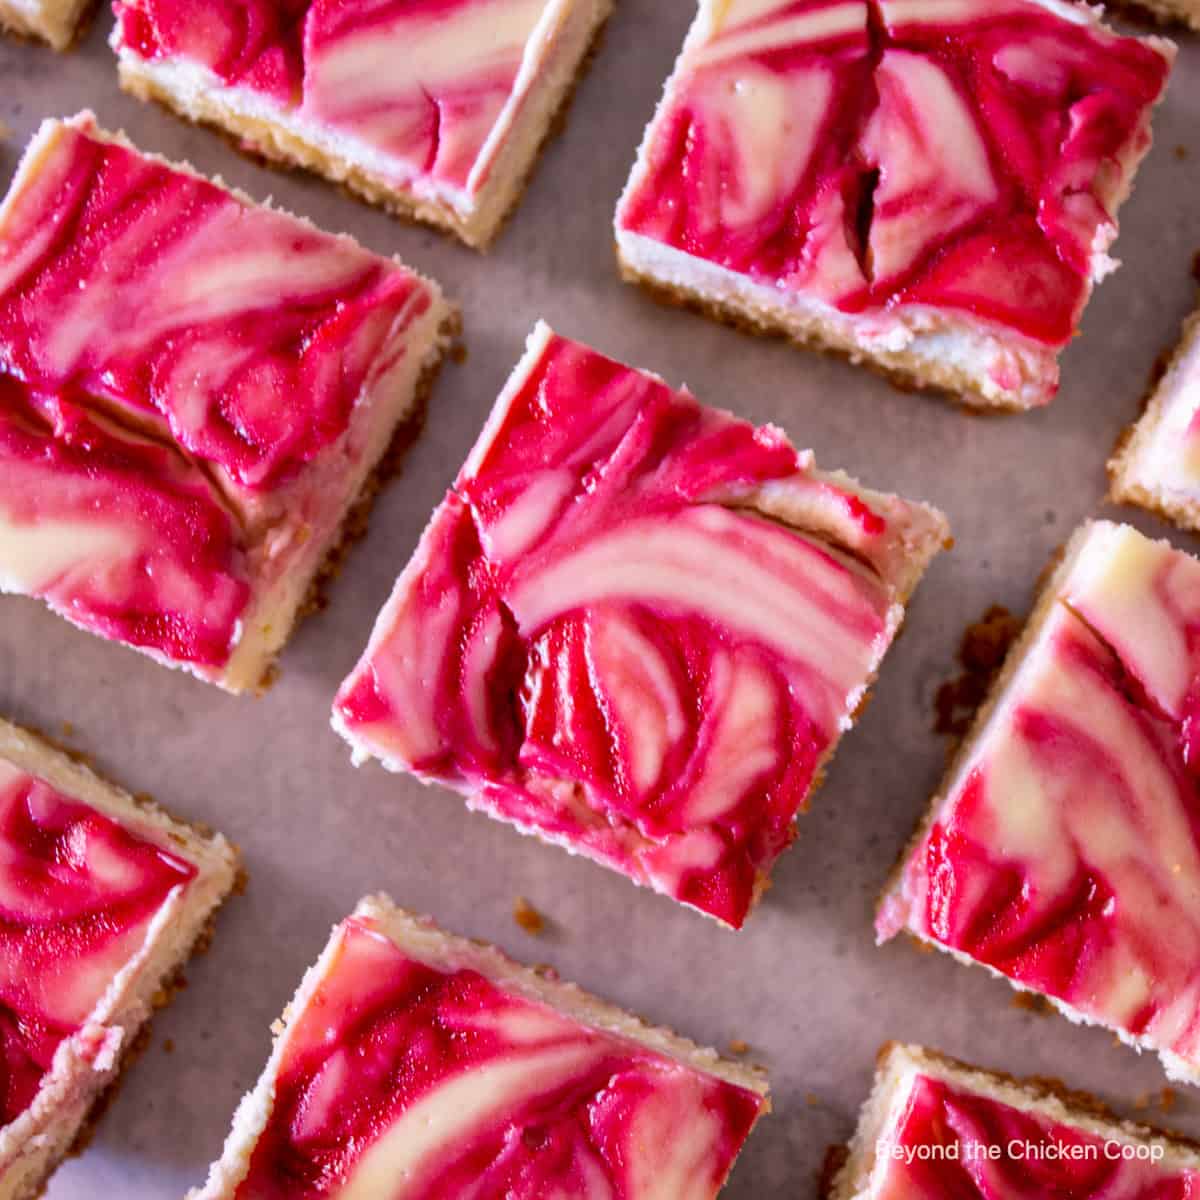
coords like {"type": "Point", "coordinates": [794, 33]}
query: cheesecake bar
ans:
{"type": "Point", "coordinates": [1063, 851]}
{"type": "Point", "coordinates": [637, 627]}
{"type": "Point", "coordinates": [194, 393]}
{"type": "Point", "coordinates": [412, 1065]}
{"type": "Point", "coordinates": [929, 188]}
{"type": "Point", "coordinates": [53, 21]}
{"type": "Point", "coordinates": [434, 111]}
{"type": "Point", "coordinates": [1157, 464]}
{"type": "Point", "coordinates": [934, 1128]}
{"type": "Point", "coordinates": [102, 900]}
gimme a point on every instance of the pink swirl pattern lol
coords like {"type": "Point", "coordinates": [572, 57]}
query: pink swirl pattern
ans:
{"type": "Point", "coordinates": [77, 895]}
{"type": "Point", "coordinates": [1066, 852]}
{"type": "Point", "coordinates": [243, 335]}
{"type": "Point", "coordinates": [421, 85]}
{"type": "Point", "coordinates": [186, 386]}
{"type": "Point", "coordinates": [965, 156]}
{"type": "Point", "coordinates": [410, 1083]}
{"type": "Point", "coordinates": [115, 532]}
{"type": "Point", "coordinates": [950, 1143]}
{"type": "Point", "coordinates": [611, 635]}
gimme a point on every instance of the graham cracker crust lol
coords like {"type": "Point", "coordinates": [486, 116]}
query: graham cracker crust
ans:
{"type": "Point", "coordinates": [268, 145]}
{"type": "Point", "coordinates": [1152, 15]}
{"type": "Point", "coordinates": [835, 1159]}
{"type": "Point", "coordinates": [910, 381]}
{"type": "Point", "coordinates": [355, 523]}
{"type": "Point", "coordinates": [87, 19]}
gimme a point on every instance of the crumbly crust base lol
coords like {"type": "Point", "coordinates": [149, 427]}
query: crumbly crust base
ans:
{"type": "Point", "coordinates": [1164, 12]}
{"type": "Point", "coordinates": [267, 142]}
{"type": "Point", "coordinates": [904, 371]}
{"type": "Point", "coordinates": [63, 34]}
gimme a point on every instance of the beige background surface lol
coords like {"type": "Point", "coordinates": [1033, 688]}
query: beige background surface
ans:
{"type": "Point", "coordinates": [803, 984]}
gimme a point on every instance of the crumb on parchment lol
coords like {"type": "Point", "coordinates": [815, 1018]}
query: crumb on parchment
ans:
{"type": "Point", "coordinates": [981, 654]}
{"type": "Point", "coordinates": [528, 917]}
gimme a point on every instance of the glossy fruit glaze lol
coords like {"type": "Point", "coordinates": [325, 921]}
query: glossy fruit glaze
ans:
{"type": "Point", "coordinates": [78, 892]}
{"type": "Point", "coordinates": [417, 86]}
{"type": "Point", "coordinates": [602, 638]}
{"type": "Point", "coordinates": [874, 155]}
{"type": "Point", "coordinates": [951, 1143]}
{"type": "Point", "coordinates": [400, 1081]}
{"type": "Point", "coordinates": [1066, 852]}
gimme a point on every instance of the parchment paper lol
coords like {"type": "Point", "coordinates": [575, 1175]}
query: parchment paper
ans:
{"type": "Point", "coordinates": [804, 984]}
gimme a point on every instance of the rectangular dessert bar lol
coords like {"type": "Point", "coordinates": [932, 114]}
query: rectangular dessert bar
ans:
{"type": "Point", "coordinates": [928, 188]}
{"type": "Point", "coordinates": [434, 111]}
{"type": "Point", "coordinates": [102, 900]}
{"type": "Point", "coordinates": [1157, 464]}
{"type": "Point", "coordinates": [1063, 850]}
{"type": "Point", "coordinates": [637, 627]}
{"type": "Point", "coordinates": [53, 21]}
{"type": "Point", "coordinates": [934, 1128]}
{"type": "Point", "coordinates": [194, 393]}
{"type": "Point", "coordinates": [412, 1065]}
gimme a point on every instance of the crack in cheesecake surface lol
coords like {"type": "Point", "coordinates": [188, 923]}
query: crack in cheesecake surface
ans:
{"type": "Point", "coordinates": [637, 626]}
{"type": "Point", "coordinates": [958, 156]}
{"type": "Point", "coordinates": [420, 87]}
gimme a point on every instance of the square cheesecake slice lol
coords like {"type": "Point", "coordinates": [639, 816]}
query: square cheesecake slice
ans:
{"type": "Point", "coordinates": [412, 1065]}
{"type": "Point", "coordinates": [433, 111]}
{"type": "Point", "coordinates": [1063, 850]}
{"type": "Point", "coordinates": [1157, 464]}
{"type": "Point", "coordinates": [195, 391]}
{"type": "Point", "coordinates": [53, 21]}
{"type": "Point", "coordinates": [637, 627]}
{"type": "Point", "coordinates": [928, 188]}
{"type": "Point", "coordinates": [103, 899]}
{"type": "Point", "coordinates": [935, 1128]}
